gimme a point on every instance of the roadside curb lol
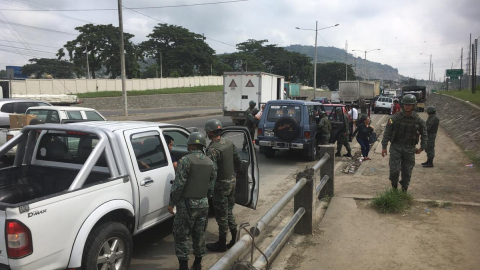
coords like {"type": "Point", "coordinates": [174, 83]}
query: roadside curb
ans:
{"type": "Point", "coordinates": [368, 197]}
{"type": "Point", "coordinates": [164, 118]}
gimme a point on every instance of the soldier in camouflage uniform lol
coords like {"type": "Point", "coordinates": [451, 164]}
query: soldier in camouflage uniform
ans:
{"type": "Point", "coordinates": [224, 154]}
{"type": "Point", "coordinates": [324, 127]}
{"type": "Point", "coordinates": [402, 131]}
{"type": "Point", "coordinates": [250, 121]}
{"type": "Point", "coordinates": [194, 182]}
{"type": "Point", "coordinates": [432, 128]}
{"type": "Point", "coordinates": [343, 136]}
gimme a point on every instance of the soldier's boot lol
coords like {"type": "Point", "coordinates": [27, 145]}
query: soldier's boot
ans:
{"type": "Point", "coordinates": [429, 163]}
{"type": "Point", "coordinates": [234, 238]}
{"type": "Point", "coordinates": [425, 162]}
{"type": "Point", "coordinates": [404, 188]}
{"type": "Point", "coordinates": [219, 246]}
{"type": "Point", "coordinates": [395, 185]}
{"type": "Point", "coordinates": [348, 154]}
{"type": "Point", "coordinates": [338, 154]}
{"type": "Point", "coordinates": [183, 264]}
{"type": "Point", "coordinates": [197, 264]}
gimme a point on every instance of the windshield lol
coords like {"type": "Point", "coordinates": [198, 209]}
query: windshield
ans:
{"type": "Point", "coordinates": [277, 111]}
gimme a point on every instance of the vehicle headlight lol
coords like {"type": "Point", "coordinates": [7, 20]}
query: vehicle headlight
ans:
{"type": "Point", "coordinates": [269, 133]}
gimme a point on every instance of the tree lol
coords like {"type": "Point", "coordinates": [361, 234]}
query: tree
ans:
{"type": "Point", "coordinates": [59, 69]}
{"type": "Point", "coordinates": [3, 73]}
{"type": "Point", "coordinates": [102, 42]}
{"type": "Point", "coordinates": [152, 71]}
{"type": "Point", "coordinates": [178, 51]}
{"type": "Point", "coordinates": [330, 74]}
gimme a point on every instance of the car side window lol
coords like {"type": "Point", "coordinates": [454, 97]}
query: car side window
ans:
{"type": "Point", "coordinates": [8, 107]}
{"type": "Point", "coordinates": [311, 114]}
{"type": "Point", "coordinates": [76, 115]}
{"type": "Point", "coordinates": [149, 151]}
{"type": "Point", "coordinates": [94, 116]}
{"type": "Point", "coordinates": [23, 106]}
{"type": "Point", "coordinates": [179, 138]}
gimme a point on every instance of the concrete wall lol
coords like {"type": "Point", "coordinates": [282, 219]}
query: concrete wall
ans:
{"type": "Point", "coordinates": [76, 86]}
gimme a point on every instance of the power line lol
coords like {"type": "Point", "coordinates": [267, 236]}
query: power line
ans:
{"type": "Point", "coordinates": [26, 49]}
{"type": "Point", "coordinates": [43, 29]}
{"type": "Point", "coordinates": [17, 34]}
{"type": "Point", "coordinates": [34, 44]}
{"type": "Point", "coordinates": [115, 9]}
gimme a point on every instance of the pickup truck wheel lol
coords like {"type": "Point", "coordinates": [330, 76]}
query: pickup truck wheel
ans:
{"type": "Point", "coordinates": [109, 246]}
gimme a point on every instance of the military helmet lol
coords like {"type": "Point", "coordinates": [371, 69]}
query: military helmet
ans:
{"type": "Point", "coordinates": [36, 121]}
{"type": "Point", "coordinates": [409, 99]}
{"type": "Point", "coordinates": [431, 109]}
{"type": "Point", "coordinates": [197, 138]}
{"type": "Point", "coordinates": [252, 103]}
{"type": "Point", "coordinates": [212, 125]}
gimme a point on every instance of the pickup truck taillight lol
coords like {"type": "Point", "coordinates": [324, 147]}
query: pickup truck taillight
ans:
{"type": "Point", "coordinates": [259, 132]}
{"type": "Point", "coordinates": [19, 240]}
{"type": "Point", "coordinates": [306, 135]}
{"type": "Point", "coordinates": [9, 137]}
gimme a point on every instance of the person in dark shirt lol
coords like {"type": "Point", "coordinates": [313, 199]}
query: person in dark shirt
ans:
{"type": "Point", "coordinates": [169, 141]}
{"type": "Point", "coordinates": [364, 131]}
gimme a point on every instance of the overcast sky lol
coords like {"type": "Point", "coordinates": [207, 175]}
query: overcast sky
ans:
{"type": "Point", "coordinates": [400, 29]}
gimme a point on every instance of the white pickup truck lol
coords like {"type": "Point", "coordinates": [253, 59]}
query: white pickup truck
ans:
{"type": "Point", "coordinates": [49, 114]}
{"type": "Point", "coordinates": [77, 193]}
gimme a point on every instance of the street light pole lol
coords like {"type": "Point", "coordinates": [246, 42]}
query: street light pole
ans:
{"type": "Point", "coordinates": [122, 58]}
{"type": "Point", "coordinates": [315, 57]}
{"type": "Point", "coordinates": [88, 68]}
{"type": "Point", "coordinates": [430, 76]}
{"type": "Point", "coordinates": [365, 61]}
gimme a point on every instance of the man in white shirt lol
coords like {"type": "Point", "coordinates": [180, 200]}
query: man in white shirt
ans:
{"type": "Point", "coordinates": [352, 116]}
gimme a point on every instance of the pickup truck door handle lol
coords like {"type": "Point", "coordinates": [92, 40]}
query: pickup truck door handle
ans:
{"type": "Point", "coordinates": [146, 182]}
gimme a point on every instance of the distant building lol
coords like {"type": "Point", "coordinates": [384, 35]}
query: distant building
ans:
{"type": "Point", "coordinates": [15, 72]}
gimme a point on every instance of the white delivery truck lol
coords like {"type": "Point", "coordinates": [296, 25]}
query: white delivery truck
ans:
{"type": "Point", "coordinates": [241, 87]}
{"type": "Point", "coordinates": [353, 91]}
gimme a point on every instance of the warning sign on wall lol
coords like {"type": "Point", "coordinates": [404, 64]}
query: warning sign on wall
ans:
{"type": "Point", "coordinates": [249, 84]}
{"type": "Point", "coordinates": [233, 84]}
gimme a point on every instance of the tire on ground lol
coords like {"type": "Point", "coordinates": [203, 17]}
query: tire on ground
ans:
{"type": "Point", "coordinates": [287, 128]}
{"type": "Point", "coordinates": [99, 236]}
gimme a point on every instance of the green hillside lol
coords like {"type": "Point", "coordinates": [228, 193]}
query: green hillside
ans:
{"type": "Point", "coordinates": [331, 54]}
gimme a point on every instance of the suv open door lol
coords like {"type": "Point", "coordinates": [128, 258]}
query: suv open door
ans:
{"type": "Point", "coordinates": [248, 178]}
{"type": "Point", "coordinates": [336, 116]}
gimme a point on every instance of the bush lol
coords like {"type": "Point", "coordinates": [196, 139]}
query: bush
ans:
{"type": "Point", "coordinates": [392, 201]}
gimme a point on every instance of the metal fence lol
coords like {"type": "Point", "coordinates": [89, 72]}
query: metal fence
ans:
{"type": "Point", "coordinates": [305, 194]}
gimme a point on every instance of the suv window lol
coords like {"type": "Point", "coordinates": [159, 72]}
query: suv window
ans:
{"type": "Point", "coordinates": [94, 116]}
{"type": "Point", "coordinates": [48, 116]}
{"type": "Point", "coordinates": [42, 104]}
{"type": "Point", "coordinates": [23, 106]}
{"type": "Point", "coordinates": [149, 151]}
{"type": "Point", "coordinates": [277, 111]}
{"type": "Point", "coordinates": [8, 108]}
{"type": "Point", "coordinates": [311, 113]}
{"type": "Point", "coordinates": [76, 115]}
{"type": "Point", "coordinates": [179, 138]}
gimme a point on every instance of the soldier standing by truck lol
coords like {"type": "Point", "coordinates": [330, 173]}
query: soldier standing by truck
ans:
{"type": "Point", "coordinates": [343, 136]}
{"type": "Point", "coordinates": [193, 184]}
{"type": "Point", "coordinates": [250, 121]}
{"type": "Point", "coordinates": [432, 128]}
{"type": "Point", "coordinates": [402, 132]}
{"type": "Point", "coordinates": [325, 128]}
{"type": "Point", "coordinates": [224, 154]}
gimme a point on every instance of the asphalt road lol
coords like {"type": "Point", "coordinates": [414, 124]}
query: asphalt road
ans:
{"type": "Point", "coordinates": [107, 113]}
{"type": "Point", "coordinates": [154, 249]}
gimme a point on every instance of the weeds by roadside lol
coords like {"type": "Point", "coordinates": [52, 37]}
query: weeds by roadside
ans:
{"type": "Point", "coordinates": [392, 201]}
{"type": "Point", "coordinates": [466, 95]}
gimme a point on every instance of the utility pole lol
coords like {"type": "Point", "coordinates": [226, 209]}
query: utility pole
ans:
{"type": "Point", "coordinates": [315, 62]}
{"type": "Point", "coordinates": [470, 60]}
{"type": "Point", "coordinates": [88, 68]}
{"type": "Point", "coordinates": [122, 59]}
{"type": "Point", "coordinates": [161, 65]}
{"type": "Point", "coordinates": [461, 67]}
{"type": "Point", "coordinates": [346, 55]}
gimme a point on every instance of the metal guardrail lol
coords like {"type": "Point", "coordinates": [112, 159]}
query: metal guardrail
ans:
{"type": "Point", "coordinates": [305, 194]}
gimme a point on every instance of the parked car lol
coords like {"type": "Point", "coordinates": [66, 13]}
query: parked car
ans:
{"type": "Point", "coordinates": [322, 100]}
{"type": "Point", "coordinates": [49, 114]}
{"type": "Point", "coordinates": [383, 104]}
{"type": "Point", "coordinates": [83, 187]}
{"type": "Point", "coordinates": [292, 125]}
{"type": "Point", "coordinates": [9, 106]}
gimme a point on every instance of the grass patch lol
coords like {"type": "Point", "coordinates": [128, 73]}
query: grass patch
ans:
{"type": "Point", "coordinates": [326, 199]}
{"type": "Point", "coordinates": [465, 95]}
{"type": "Point", "coordinates": [197, 89]}
{"type": "Point", "coordinates": [392, 201]}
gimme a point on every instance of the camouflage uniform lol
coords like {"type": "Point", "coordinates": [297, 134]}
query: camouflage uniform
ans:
{"type": "Point", "coordinates": [324, 127]}
{"type": "Point", "coordinates": [343, 139]}
{"type": "Point", "coordinates": [224, 191]}
{"type": "Point", "coordinates": [432, 127]}
{"type": "Point", "coordinates": [250, 123]}
{"type": "Point", "coordinates": [402, 131]}
{"type": "Point", "coordinates": [191, 219]}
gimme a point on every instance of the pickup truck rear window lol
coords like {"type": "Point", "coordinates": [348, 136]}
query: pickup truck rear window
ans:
{"type": "Point", "coordinates": [277, 111]}
{"type": "Point", "coordinates": [68, 148]}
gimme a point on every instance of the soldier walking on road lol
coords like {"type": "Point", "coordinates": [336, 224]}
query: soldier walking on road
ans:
{"type": "Point", "coordinates": [250, 121]}
{"type": "Point", "coordinates": [343, 136]}
{"type": "Point", "coordinates": [224, 154]}
{"type": "Point", "coordinates": [402, 131]}
{"type": "Point", "coordinates": [324, 127]}
{"type": "Point", "coordinates": [432, 128]}
{"type": "Point", "coordinates": [193, 184]}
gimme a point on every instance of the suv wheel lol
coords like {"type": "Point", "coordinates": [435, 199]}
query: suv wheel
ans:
{"type": "Point", "coordinates": [269, 152]}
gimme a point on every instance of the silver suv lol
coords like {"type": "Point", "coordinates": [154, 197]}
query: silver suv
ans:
{"type": "Point", "coordinates": [383, 104]}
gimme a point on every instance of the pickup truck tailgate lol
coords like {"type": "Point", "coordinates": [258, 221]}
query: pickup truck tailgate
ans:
{"type": "Point", "coordinates": [3, 246]}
